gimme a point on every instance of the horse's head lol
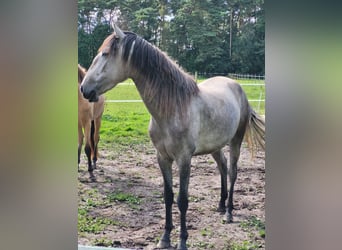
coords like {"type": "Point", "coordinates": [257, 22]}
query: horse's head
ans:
{"type": "Point", "coordinates": [107, 68]}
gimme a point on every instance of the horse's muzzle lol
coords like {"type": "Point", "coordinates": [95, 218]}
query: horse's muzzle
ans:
{"type": "Point", "coordinates": [91, 96]}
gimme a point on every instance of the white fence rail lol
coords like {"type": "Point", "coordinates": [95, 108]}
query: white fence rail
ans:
{"type": "Point", "coordinates": [123, 101]}
{"type": "Point", "coordinates": [246, 76]}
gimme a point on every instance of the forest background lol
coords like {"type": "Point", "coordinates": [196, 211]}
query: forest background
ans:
{"type": "Point", "coordinates": [204, 36]}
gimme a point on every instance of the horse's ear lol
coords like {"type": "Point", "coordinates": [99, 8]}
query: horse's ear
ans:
{"type": "Point", "coordinates": [117, 31]}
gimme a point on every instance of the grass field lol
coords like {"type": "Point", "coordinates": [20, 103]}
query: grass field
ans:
{"type": "Point", "coordinates": [125, 124]}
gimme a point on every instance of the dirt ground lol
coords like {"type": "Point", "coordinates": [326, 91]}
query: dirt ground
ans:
{"type": "Point", "coordinates": [139, 225]}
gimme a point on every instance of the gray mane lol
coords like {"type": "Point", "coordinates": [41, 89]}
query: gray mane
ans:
{"type": "Point", "coordinates": [166, 84]}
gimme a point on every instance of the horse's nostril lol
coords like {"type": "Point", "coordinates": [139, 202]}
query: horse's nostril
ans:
{"type": "Point", "coordinates": [81, 89]}
{"type": "Point", "coordinates": [91, 96]}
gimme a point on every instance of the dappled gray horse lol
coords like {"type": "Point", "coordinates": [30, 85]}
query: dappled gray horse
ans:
{"type": "Point", "coordinates": [187, 119]}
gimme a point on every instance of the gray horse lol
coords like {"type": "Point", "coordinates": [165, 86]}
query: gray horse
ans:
{"type": "Point", "coordinates": [187, 119]}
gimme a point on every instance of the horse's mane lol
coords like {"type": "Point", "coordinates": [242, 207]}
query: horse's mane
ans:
{"type": "Point", "coordinates": [166, 84]}
{"type": "Point", "coordinates": [81, 73]}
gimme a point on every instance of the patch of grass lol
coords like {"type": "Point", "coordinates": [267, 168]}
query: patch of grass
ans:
{"type": "Point", "coordinates": [90, 224]}
{"type": "Point", "coordinates": [90, 199]}
{"type": "Point", "coordinates": [254, 223]}
{"type": "Point", "coordinates": [210, 161]}
{"type": "Point", "coordinates": [195, 199]}
{"type": "Point", "coordinates": [124, 124]}
{"type": "Point", "coordinates": [103, 242]}
{"type": "Point", "coordinates": [82, 212]}
{"type": "Point", "coordinates": [262, 233]}
{"type": "Point", "coordinates": [244, 245]}
{"type": "Point", "coordinates": [124, 91]}
{"type": "Point", "coordinates": [202, 245]}
{"type": "Point", "coordinates": [206, 232]}
{"type": "Point", "coordinates": [124, 197]}
{"type": "Point", "coordinates": [129, 116]}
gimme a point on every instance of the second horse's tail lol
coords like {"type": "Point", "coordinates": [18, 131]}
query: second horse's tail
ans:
{"type": "Point", "coordinates": [92, 132]}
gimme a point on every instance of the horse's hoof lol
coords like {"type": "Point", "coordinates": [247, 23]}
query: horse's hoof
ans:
{"type": "Point", "coordinates": [162, 244]}
{"type": "Point", "coordinates": [92, 176]}
{"type": "Point", "coordinates": [230, 218]}
{"type": "Point", "coordinates": [181, 246]}
{"type": "Point", "coordinates": [227, 219]}
{"type": "Point", "coordinates": [221, 209]}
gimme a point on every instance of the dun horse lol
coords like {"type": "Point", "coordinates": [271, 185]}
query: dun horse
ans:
{"type": "Point", "coordinates": [187, 119]}
{"type": "Point", "coordinates": [89, 121]}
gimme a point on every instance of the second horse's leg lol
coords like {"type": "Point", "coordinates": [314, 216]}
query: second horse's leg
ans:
{"type": "Point", "coordinates": [80, 143]}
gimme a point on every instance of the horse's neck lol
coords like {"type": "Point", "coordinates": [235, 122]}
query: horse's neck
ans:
{"type": "Point", "coordinates": [152, 107]}
{"type": "Point", "coordinates": [170, 96]}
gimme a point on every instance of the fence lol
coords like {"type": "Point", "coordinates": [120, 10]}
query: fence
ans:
{"type": "Point", "coordinates": [246, 76]}
{"type": "Point", "coordinates": [245, 80]}
{"type": "Point", "coordinates": [252, 80]}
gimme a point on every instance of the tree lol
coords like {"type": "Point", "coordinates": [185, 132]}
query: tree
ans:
{"type": "Point", "coordinates": [206, 36]}
{"type": "Point", "coordinates": [248, 47]}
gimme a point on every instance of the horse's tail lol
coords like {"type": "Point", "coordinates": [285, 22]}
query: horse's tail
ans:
{"type": "Point", "coordinates": [255, 132]}
{"type": "Point", "coordinates": [92, 132]}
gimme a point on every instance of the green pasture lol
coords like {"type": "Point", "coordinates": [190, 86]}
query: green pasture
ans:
{"type": "Point", "coordinates": [125, 124]}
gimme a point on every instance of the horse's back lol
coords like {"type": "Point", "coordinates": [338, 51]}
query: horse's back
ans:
{"type": "Point", "coordinates": [222, 90]}
{"type": "Point", "coordinates": [225, 88]}
{"type": "Point", "coordinates": [219, 84]}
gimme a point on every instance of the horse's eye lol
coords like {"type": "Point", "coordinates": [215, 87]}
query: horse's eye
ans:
{"type": "Point", "coordinates": [105, 53]}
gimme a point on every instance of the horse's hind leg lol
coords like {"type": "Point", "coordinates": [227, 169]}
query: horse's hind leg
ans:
{"type": "Point", "coordinates": [222, 166]}
{"type": "Point", "coordinates": [96, 139]}
{"type": "Point", "coordinates": [93, 143]}
{"type": "Point", "coordinates": [80, 142]}
{"type": "Point", "coordinates": [166, 169]}
{"type": "Point", "coordinates": [234, 157]}
{"type": "Point", "coordinates": [87, 150]}
{"type": "Point", "coordinates": [88, 147]}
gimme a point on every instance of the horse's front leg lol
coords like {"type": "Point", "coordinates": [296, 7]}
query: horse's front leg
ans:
{"type": "Point", "coordinates": [182, 201]}
{"type": "Point", "coordinates": [166, 169]}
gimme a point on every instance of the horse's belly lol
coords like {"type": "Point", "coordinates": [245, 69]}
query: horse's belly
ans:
{"type": "Point", "coordinates": [217, 128]}
{"type": "Point", "coordinates": [209, 146]}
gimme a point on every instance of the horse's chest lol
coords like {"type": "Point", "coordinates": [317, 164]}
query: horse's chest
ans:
{"type": "Point", "coordinates": [169, 141]}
